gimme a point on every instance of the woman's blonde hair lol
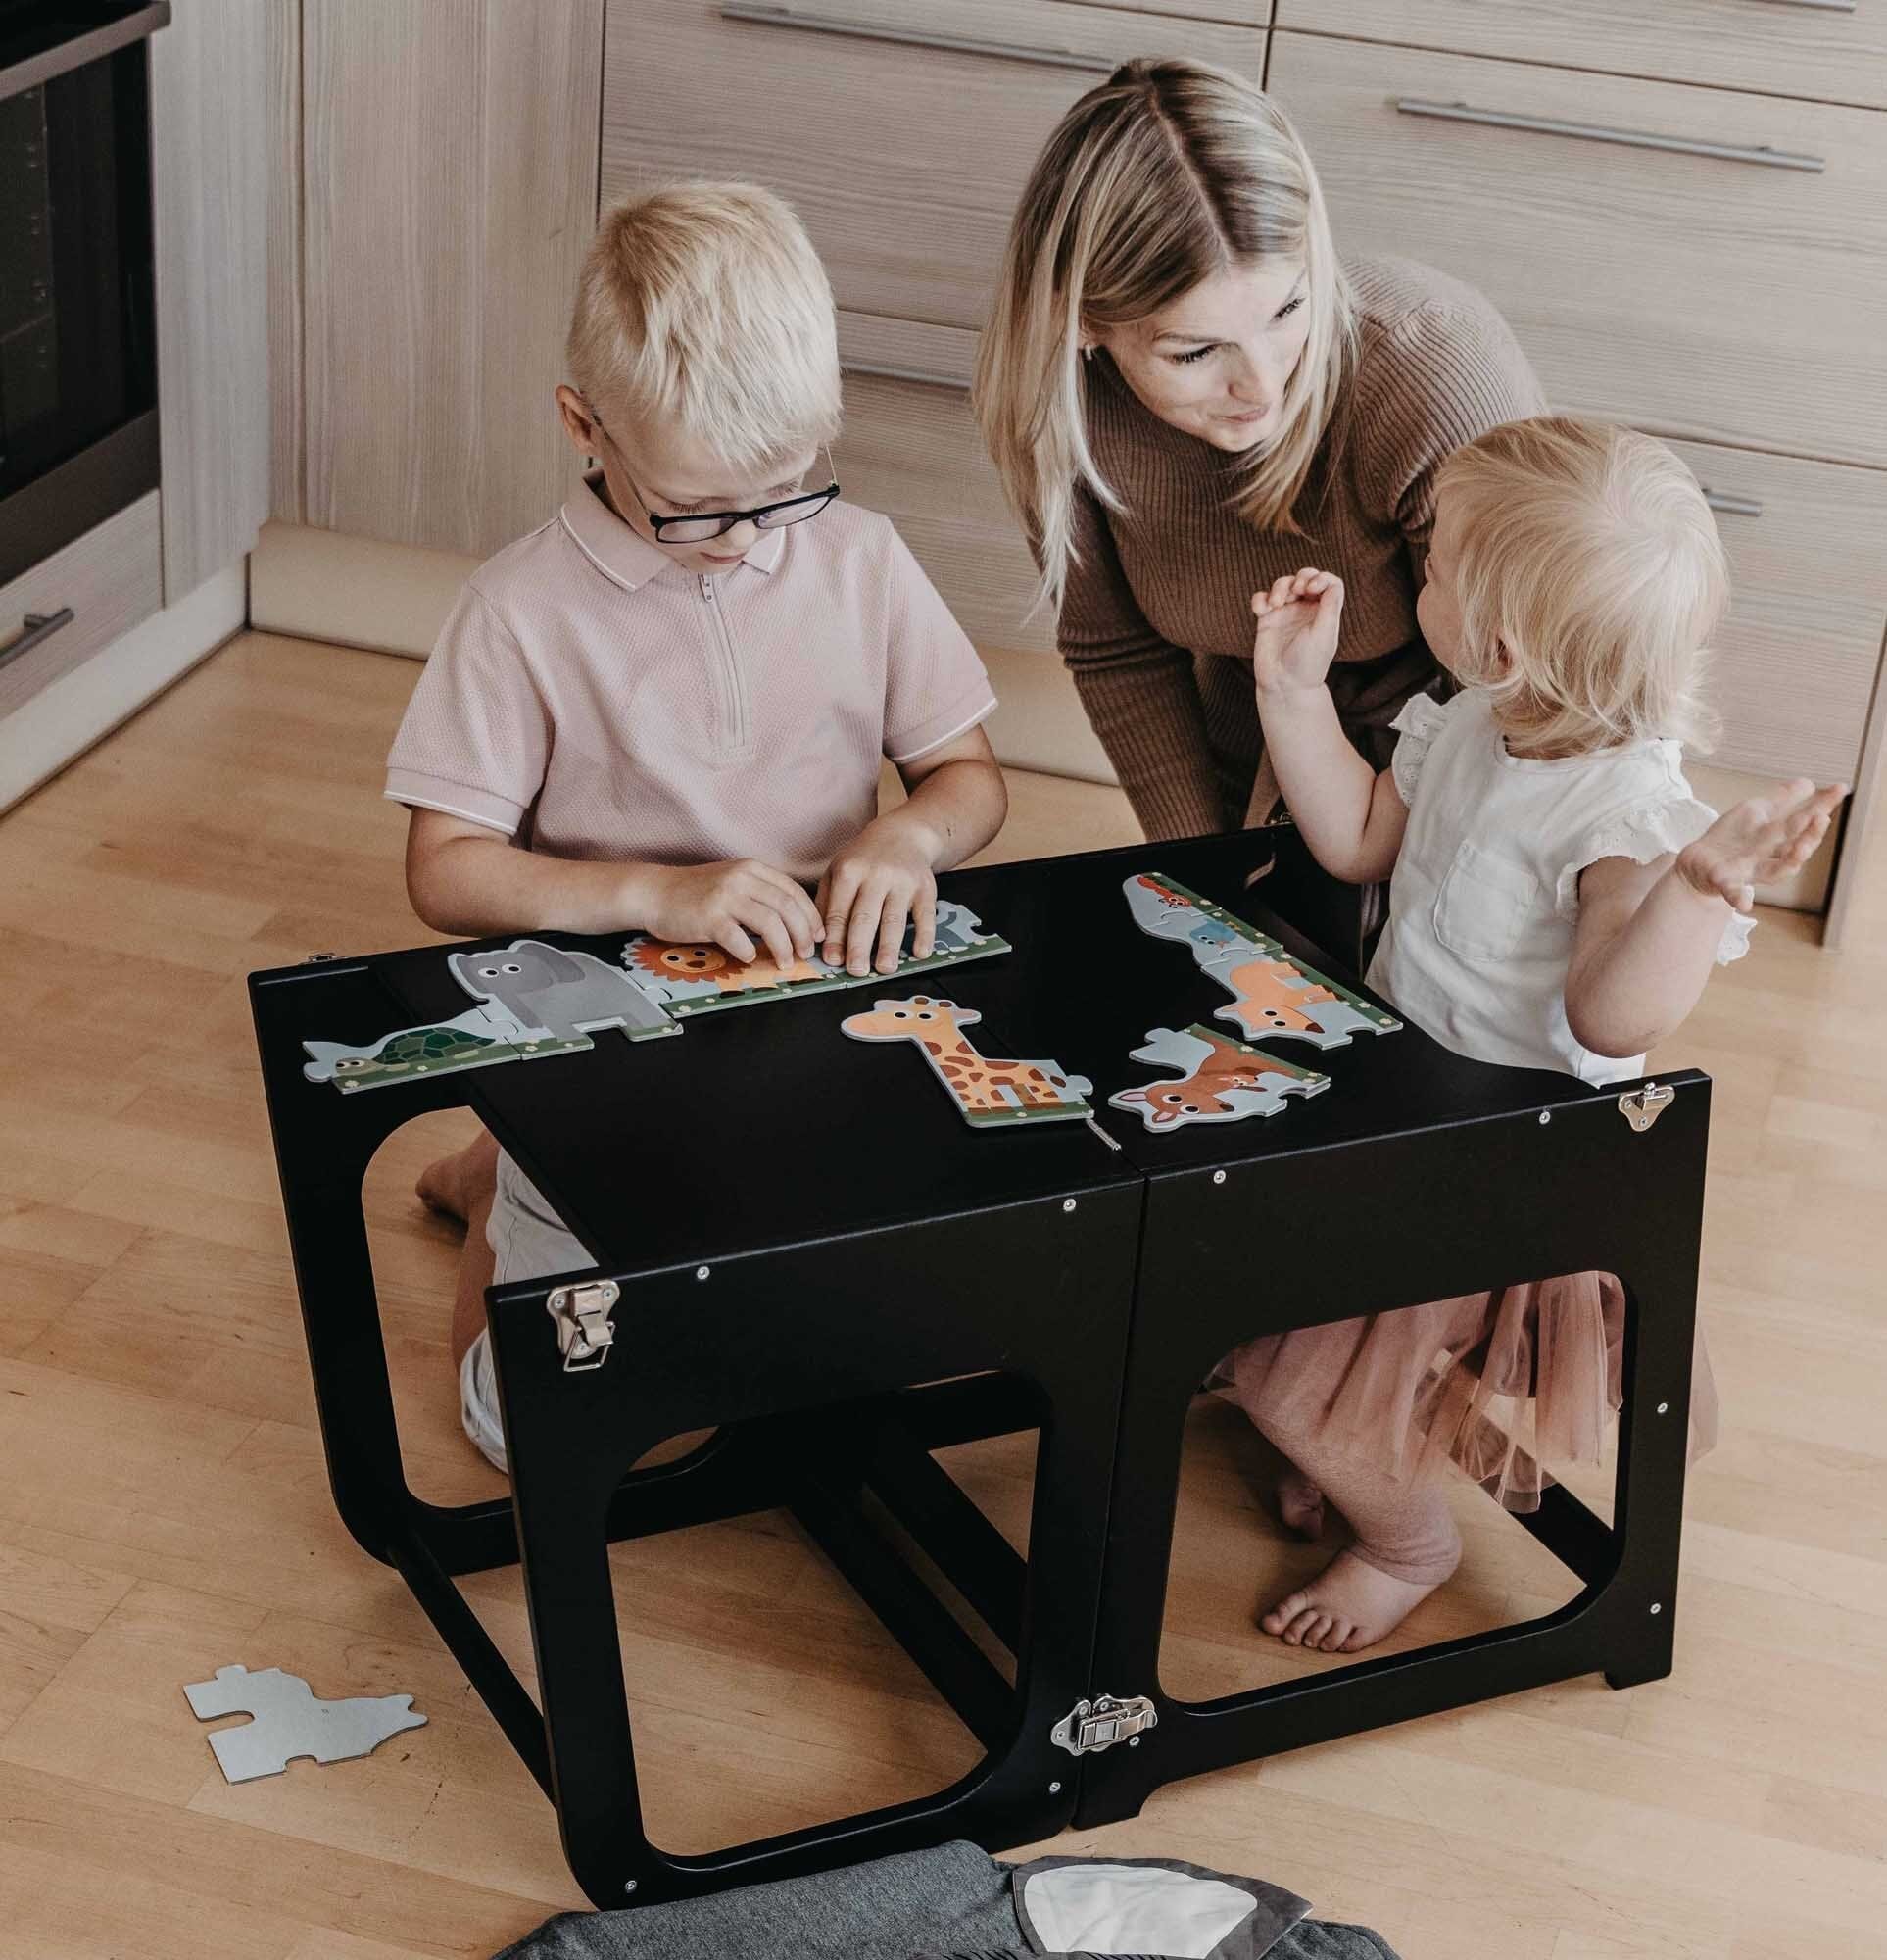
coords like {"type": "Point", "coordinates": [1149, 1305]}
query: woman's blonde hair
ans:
{"type": "Point", "coordinates": [1168, 172]}
{"type": "Point", "coordinates": [706, 305]}
{"type": "Point", "coordinates": [1587, 552]}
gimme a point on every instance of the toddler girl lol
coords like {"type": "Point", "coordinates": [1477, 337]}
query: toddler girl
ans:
{"type": "Point", "coordinates": [1558, 898]}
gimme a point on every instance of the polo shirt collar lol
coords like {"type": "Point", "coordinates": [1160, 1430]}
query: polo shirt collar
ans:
{"type": "Point", "coordinates": [630, 559]}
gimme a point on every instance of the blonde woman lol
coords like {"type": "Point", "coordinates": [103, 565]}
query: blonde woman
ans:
{"type": "Point", "coordinates": [1187, 396]}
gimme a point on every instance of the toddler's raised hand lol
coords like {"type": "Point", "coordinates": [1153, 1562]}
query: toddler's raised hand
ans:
{"type": "Point", "coordinates": [740, 906]}
{"type": "Point", "coordinates": [1762, 837]}
{"type": "Point", "coordinates": [1298, 627]}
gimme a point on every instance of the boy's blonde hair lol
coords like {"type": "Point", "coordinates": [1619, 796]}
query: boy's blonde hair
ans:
{"type": "Point", "coordinates": [1588, 552]}
{"type": "Point", "coordinates": [706, 305]}
{"type": "Point", "coordinates": [1168, 172]}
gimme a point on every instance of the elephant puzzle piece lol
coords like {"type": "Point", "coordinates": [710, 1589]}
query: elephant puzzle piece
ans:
{"type": "Point", "coordinates": [702, 979]}
{"type": "Point", "coordinates": [291, 1720]}
{"type": "Point", "coordinates": [536, 1000]}
{"type": "Point", "coordinates": [1222, 1080]}
{"type": "Point", "coordinates": [1271, 993]}
{"type": "Point", "coordinates": [990, 1094]}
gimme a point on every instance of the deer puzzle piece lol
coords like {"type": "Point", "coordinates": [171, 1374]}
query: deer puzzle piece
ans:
{"type": "Point", "coordinates": [989, 1094]}
{"type": "Point", "coordinates": [1272, 993]}
{"type": "Point", "coordinates": [291, 1720]}
{"type": "Point", "coordinates": [536, 1000]}
{"type": "Point", "coordinates": [1222, 1080]}
{"type": "Point", "coordinates": [702, 979]}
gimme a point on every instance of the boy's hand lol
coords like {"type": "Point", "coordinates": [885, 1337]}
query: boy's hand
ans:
{"type": "Point", "coordinates": [1297, 624]}
{"type": "Point", "coordinates": [1758, 840]}
{"type": "Point", "coordinates": [879, 882]}
{"type": "Point", "coordinates": [740, 906]}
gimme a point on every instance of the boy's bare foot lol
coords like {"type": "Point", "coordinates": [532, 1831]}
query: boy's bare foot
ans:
{"type": "Point", "coordinates": [1349, 1606]}
{"type": "Point", "coordinates": [1300, 1505]}
{"type": "Point", "coordinates": [453, 1184]}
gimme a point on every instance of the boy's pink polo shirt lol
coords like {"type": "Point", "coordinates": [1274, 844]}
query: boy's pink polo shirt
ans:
{"type": "Point", "coordinates": [594, 700]}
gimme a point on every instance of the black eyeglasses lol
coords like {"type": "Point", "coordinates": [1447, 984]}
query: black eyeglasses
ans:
{"type": "Point", "coordinates": [699, 526]}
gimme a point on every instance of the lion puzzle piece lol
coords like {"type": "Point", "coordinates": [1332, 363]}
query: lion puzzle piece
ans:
{"type": "Point", "coordinates": [1223, 1081]}
{"type": "Point", "coordinates": [1272, 993]}
{"type": "Point", "coordinates": [989, 1094]}
{"type": "Point", "coordinates": [702, 979]}
{"type": "Point", "coordinates": [291, 1720]}
{"type": "Point", "coordinates": [536, 1000]}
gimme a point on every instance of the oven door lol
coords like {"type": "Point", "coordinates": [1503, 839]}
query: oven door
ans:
{"type": "Point", "coordinates": [78, 434]}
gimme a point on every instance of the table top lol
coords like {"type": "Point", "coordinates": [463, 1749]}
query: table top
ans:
{"type": "Point", "coordinates": [765, 1126]}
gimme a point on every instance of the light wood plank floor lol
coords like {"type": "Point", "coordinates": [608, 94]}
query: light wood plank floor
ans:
{"type": "Point", "coordinates": [163, 1507]}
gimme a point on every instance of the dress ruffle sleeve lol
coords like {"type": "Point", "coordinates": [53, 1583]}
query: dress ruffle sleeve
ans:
{"type": "Point", "coordinates": [1650, 832]}
{"type": "Point", "coordinates": [1418, 724]}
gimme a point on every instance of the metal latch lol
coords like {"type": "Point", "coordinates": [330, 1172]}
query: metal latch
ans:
{"type": "Point", "coordinates": [1642, 1107]}
{"type": "Point", "coordinates": [583, 1335]}
{"type": "Point", "coordinates": [1092, 1726]}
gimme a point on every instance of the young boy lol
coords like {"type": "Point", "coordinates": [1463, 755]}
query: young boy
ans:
{"type": "Point", "coordinates": [665, 710]}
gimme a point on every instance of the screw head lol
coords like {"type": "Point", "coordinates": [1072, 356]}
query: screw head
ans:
{"type": "Point", "coordinates": [701, 1272]}
{"type": "Point", "coordinates": [1546, 1116]}
{"type": "Point", "coordinates": [1054, 1789]}
{"type": "Point", "coordinates": [1133, 1741]}
{"type": "Point", "coordinates": [1664, 1408]}
{"type": "Point", "coordinates": [1657, 1606]}
{"type": "Point", "coordinates": [628, 1885]}
{"type": "Point", "coordinates": [1218, 1177]}
{"type": "Point", "coordinates": [1068, 1204]}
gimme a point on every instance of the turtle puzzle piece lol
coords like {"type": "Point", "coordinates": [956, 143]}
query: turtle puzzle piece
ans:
{"type": "Point", "coordinates": [1272, 993]}
{"type": "Point", "coordinates": [699, 978]}
{"type": "Point", "coordinates": [990, 1094]}
{"type": "Point", "coordinates": [536, 1000]}
{"type": "Point", "coordinates": [1221, 1080]}
{"type": "Point", "coordinates": [291, 1720]}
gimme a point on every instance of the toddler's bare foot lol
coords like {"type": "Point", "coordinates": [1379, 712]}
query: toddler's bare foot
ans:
{"type": "Point", "coordinates": [451, 1184]}
{"type": "Point", "coordinates": [1300, 1505]}
{"type": "Point", "coordinates": [1349, 1606]}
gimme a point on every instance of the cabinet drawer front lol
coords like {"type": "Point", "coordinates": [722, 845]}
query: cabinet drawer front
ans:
{"type": "Point", "coordinates": [1823, 50]}
{"type": "Point", "coordinates": [912, 450]}
{"type": "Point", "coordinates": [109, 580]}
{"type": "Point", "coordinates": [1729, 300]}
{"type": "Point", "coordinates": [1797, 660]}
{"type": "Point", "coordinates": [902, 132]}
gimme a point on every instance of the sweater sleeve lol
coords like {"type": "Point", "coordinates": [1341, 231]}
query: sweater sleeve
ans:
{"type": "Point", "coordinates": [1447, 372]}
{"type": "Point", "coordinates": [1137, 689]}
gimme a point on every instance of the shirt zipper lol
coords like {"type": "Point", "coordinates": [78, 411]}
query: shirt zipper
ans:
{"type": "Point", "coordinates": [734, 688]}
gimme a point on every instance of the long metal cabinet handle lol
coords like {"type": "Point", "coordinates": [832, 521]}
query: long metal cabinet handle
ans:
{"type": "Point", "coordinates": [1735, 507]}
{"type": "Point", "coordinates": [32, 71]}
{"type": "Point", "coordinates": [911, 37]}
{"type": "Point", "coordinates": [1599, 132]}
{"type": "Point", "coordinates": [1823, 6]}
{"type": "Point", "coordinates": [35, 628]}
{"type": "Point", "coordinates": [881, 371]}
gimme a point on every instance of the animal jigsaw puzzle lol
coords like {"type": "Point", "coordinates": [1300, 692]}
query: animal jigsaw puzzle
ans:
{"type": "Point", "coordinates": [1272, 993]}
{"type": "Point", "coordinates": [1221, 1080]}
{"type": "Point", "coordinates": [990, 1094]}
{"type": "Point", "coordinates": [535, 1000]}
{"type": "Point", "coordinates": [704, 979]}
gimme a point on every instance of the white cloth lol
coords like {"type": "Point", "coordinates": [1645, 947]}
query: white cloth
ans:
{"type": "Point", "coordinates": [1485, 893]}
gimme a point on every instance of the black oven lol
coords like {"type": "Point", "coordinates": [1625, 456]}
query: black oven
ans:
{"type": "Point", "coordinates": [79, 433]}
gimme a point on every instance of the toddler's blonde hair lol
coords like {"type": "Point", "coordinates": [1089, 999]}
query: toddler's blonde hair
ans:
{"type": "Point", "coordinates": [706, 305]}
{"type": "Point", "coordinates": [1588, 552]}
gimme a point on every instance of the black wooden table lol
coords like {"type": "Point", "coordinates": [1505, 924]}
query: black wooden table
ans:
{"type": "Point", "coordinates": [804, 1247]}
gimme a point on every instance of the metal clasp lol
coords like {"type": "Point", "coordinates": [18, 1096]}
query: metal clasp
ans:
{"type": "Point", "coordinates": [584, 1334]}
{"type": "Point", "coordinates": [1641, 1108]}
{"type": "Point", "coordinates": [1093, 1726]}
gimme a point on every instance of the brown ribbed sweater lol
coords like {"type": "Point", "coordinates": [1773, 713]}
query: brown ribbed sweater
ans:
{"type": "Point", "coordinates": [1156, 620]}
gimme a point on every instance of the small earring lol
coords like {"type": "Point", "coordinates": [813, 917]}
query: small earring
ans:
{"type": "Point", "coordinates": [1088, 352]}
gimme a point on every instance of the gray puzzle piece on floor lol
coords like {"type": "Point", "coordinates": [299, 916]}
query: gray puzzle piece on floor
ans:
{"type": "Point", "coordinates": [291, 1720]}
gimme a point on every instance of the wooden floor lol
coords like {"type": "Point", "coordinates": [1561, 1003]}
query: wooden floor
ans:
{"type": "Point", "coordinates": [163, 1511]}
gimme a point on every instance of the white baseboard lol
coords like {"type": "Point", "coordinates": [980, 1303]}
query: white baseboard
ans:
{"type": "Point", "coordinates": [320, 585]}
{"type": "Point", "coordinates": [63, 720]}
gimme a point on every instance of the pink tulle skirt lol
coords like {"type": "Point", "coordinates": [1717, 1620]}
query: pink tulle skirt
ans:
{"type": "Point", "coordinates": [1510, 1385]}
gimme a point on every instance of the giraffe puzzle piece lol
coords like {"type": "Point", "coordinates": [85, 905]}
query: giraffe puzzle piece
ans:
{"type": "Point", "coordinates": [1272, 993]}
{"type": "Point", "coordinates": [536, 1000]}
{"type": "Point", "coordinates": [291, 1720]}
{"type": "Point", "coordinates": [990, 1094]}
{"type": "Point", "coordinates": [1223, 1081]}
{"type": "Point", "coordinates": [701, 979]}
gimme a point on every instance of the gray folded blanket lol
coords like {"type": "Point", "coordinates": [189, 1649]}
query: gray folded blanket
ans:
{"type": "Point", "coordinates": [959, 1903]}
